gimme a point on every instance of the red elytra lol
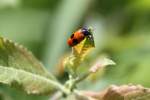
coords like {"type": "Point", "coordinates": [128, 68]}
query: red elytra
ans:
{"type": "Point", "coordinates": [75, 38]}
{"type": "Point", "coordinates": [70, 42]}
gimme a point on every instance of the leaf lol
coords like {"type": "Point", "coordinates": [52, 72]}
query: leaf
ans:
{"type": "Point", "coordinates": [127, 92]}
{"type": "Point", "coordinates": [19, 66]}
{"type": "Point", "coordinates": [83, 48]}
{"type": "Point", "coordinates": [16, 56]}
{"type": "Point", "coordinates": [4, 96]}
{"type": "Point", "coordinates": [124, 92]}
{"type": "Point", "coordinates": [97, 69]}
{"type": "Point", "coordinates": [30, 82]}
{"type": "Point", "coordinates": [101, 63]}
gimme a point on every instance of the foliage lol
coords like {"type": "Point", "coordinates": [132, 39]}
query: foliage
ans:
{"type": "Point", "coordinates": [121, 32]}
{"type": "Point", "coordinates": [19, 68]}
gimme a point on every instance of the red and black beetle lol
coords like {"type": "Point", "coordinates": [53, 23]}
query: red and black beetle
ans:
{"type": "Point", "coordinates": [78, 36]}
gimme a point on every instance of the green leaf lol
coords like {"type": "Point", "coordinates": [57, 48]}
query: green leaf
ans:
{"type": "Point", "coordinates": [4, 96]}
{"type": "Point", "coordinates": [30, 82]}
{"type": "Point", "coordinates": [18, 57]}
{"type": "Point", "coordinates": [100, 64]}
{"type": "Point", "coordinates": [83, 48]}
{"type": "Point", "coordinates": [19, 67]}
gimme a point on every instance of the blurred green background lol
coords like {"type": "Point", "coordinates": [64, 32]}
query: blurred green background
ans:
{"type": "Point", "coordinates": [121, 31]}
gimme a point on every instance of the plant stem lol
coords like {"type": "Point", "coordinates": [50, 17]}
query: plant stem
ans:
{"type": "Point", "coordinates": [81, 78]}
{"type": "Point", "coordinates": [57, 96]}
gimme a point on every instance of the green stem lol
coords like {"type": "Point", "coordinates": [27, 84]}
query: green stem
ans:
{"type": "Point", "coordinates": [59, 86]}
{"type": "Point", "coordinates": [71, 83]}
{"type": "Point", "coordinates": [81, 78]}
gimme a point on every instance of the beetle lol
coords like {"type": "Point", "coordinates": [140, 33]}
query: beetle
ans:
{"type": "Point", "coordinates": [78, 36]}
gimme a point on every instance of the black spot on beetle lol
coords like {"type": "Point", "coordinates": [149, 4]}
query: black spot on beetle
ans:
{"type": "Point", "coordinates": [72, 36]}
{"type": "Point", "coordinates": [75, 41]}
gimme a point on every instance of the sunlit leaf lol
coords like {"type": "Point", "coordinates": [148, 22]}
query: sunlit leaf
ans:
{"type": "Point", "coordinates": [83, 48]}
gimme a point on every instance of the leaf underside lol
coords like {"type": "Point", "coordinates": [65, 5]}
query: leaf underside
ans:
{"type": "Point", "coordinates": [29, 82]}
{"type": "Point", "coordinates": [16, 56]}
{"type": "Point", "coordinates": [19, 68]}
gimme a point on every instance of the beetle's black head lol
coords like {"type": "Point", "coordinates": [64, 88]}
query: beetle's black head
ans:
{"type": "Point", "coordinates": [85, 31]}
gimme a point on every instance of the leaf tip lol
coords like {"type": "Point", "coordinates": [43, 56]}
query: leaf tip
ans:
{"type": "Point", "coordinates": [101, 63]}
